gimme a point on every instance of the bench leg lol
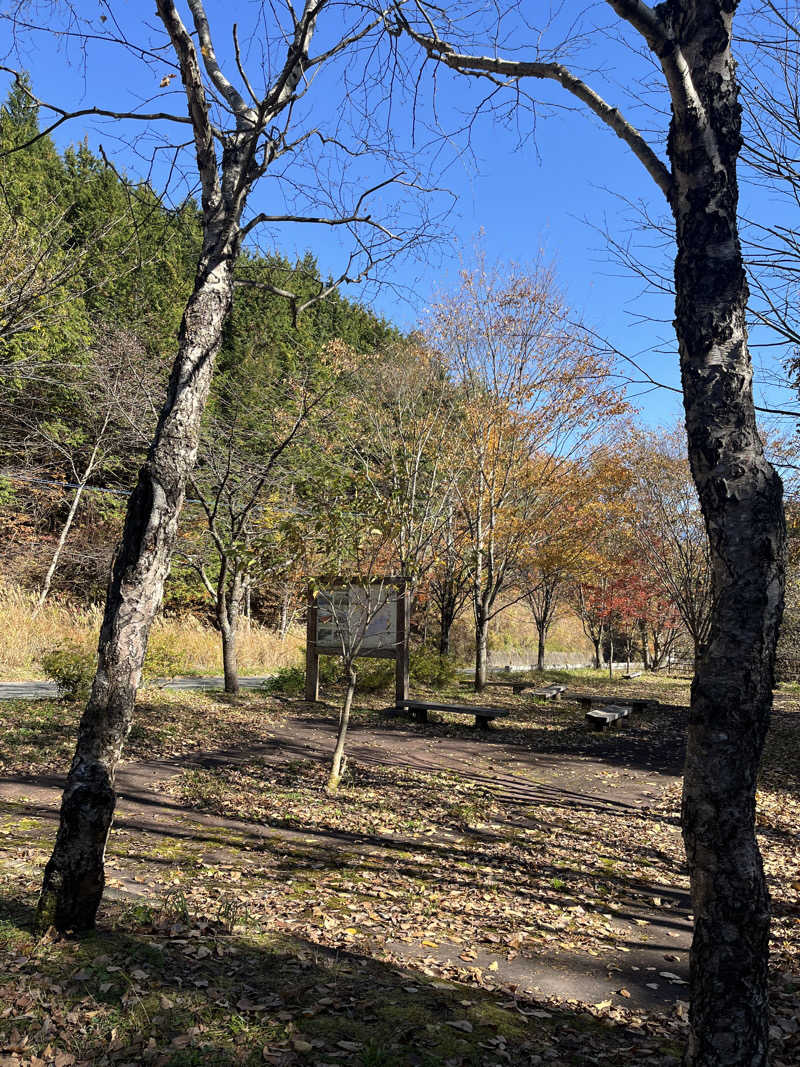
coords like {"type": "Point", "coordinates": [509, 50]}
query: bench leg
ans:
{"type": "Point", "coordinates": [421, 714]}
{"type": "Point", "coordinates": [482, 722]}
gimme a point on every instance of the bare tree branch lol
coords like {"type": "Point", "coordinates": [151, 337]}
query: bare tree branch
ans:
{"type": "Point", "coordinates": [67, 116]}
{"type": "Point", "coordinates": [443, 52]}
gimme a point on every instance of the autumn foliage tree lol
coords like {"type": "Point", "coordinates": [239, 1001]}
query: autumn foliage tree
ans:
{"type": "Point", "coordinates": [403, 446]}
{"type": "Point", "coordinates": [532, 396]}
{"type": "Point", "coordinates": [668, 527]}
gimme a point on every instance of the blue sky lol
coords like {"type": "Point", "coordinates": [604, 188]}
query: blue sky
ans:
{"type": "Point", "coordinates": [556, 193]}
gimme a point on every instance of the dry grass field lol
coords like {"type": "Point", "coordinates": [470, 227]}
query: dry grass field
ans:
{"type": "Point", "coordinates": [193, 647]}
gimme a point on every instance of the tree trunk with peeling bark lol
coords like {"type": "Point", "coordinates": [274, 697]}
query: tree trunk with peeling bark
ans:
{"type": "Point", "coordinates": [236, 136]}
{"type": "Point", "coordinates": [741, 499]}
{"type": "Point", "coordinates": [74, 876]}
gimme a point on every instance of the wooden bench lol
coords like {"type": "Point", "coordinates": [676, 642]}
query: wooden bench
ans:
{"type": "Point", "coordinates": [548, 692]}
{"type": "Point", "coordinates": [420, 708]}
{"type": "Point", "coordinates": [596, 700]}
{"type": "Point", "coordinates": [633, 674]}
{"type": "Point", "coordinates": [607, 717]}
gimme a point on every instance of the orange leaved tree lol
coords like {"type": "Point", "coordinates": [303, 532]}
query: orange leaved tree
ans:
{"type": "Point", "coordinates": [533, 395]}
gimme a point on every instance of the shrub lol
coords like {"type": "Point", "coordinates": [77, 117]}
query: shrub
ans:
{"type": "Point", "coordinates": [164, 658]}
{"type": "Point", "coordinates": [288, 680]}
{"type": "Point", "coordinates": [374, 675]}
{"type": "Point", "coordinates": [291, 681]}
{"type": "Point", "coordinates": [71, 668]}
{"type": "Point", "coordinates": [427, 667]}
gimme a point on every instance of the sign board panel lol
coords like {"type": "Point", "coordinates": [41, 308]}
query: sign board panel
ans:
{"type": "Point", "coordinates": [357, 616]}
{"type": "Point", "coordinates": [368, 619]}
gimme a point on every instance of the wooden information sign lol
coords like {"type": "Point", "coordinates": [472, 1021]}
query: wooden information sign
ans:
{"type": "Point", "coordinates": [370, 618]}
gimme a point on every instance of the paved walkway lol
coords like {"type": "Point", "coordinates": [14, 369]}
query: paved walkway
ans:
{"type": "Point", "coordinates": [652, 969]}
{"type": "Point", "coordinates": [47, 690]}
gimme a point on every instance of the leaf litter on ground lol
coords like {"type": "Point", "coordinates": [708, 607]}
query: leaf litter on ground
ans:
{"type": "Point", "coordinates": [277, 936]}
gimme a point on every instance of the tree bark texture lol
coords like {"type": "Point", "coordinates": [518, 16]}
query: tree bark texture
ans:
{"type": "Point", "coordinates": [740, 496]}
{"type": "Point", "coordinates": [741, 499]}
{"type": "Point", "coordinates": [229, 662]}
{"type": "Point", "coordinates": [481, 647]}
{"type": "Point", "coordinates": [74, 876]}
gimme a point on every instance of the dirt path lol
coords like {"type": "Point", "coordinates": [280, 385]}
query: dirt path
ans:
{"type": "Point", "coordinates": [643, 966]}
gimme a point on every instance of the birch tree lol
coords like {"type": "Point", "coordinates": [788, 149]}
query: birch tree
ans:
{"type": "Point", "coordinates": [239, 135]}
{"type": "Point", "coordinates": [693, 165]}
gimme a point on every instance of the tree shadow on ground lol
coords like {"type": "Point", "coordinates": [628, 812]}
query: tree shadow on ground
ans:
{"type": "Point", "coordinates": [449, 874]}
{"type": "Point", "coordinates": [647, 741]}
{"type": "Point", "coordinates": [174, 989]}
{"type": "Point", "coordinates": [306, 845]}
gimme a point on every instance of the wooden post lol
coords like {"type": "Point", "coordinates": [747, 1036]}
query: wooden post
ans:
{"type": "Point", "coordinates": [312, 657]}
{"type": "Point", "coordinates": [401, 652]}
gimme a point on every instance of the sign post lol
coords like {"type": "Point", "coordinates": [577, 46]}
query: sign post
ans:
{"type": "Point", "coordinates": [373, 615]}
{"type": "Point", "coordinates": [312, 656]}
{"type": "Point", "coordinates": [403, 624]}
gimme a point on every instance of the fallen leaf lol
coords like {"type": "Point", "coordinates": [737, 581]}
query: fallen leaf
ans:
{"type": "Point", "coordinates": [461, 1024]}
